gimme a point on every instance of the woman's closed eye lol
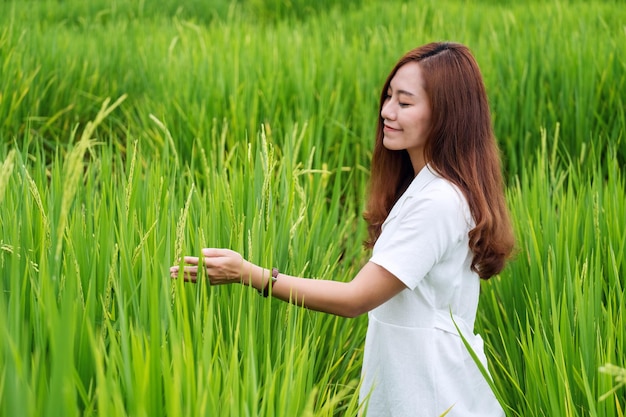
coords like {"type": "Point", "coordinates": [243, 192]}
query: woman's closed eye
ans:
{"type": "Point", "coordinates": [400, 103]}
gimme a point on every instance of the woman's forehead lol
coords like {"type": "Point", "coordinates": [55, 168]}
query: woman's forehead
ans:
{"type": "Point", "coordinates": [408, 79]}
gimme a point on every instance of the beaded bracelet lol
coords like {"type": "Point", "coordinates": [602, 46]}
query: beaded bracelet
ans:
{"type": "Point", "coordinates": [266, 290]}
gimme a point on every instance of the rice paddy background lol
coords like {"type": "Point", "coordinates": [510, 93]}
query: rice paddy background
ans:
{"type": "Point", "coordinates": [132, 132]}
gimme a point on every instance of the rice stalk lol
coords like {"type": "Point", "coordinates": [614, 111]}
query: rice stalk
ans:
{"type": "Point", "coordinates": [180, 238]}
{"type": "Point", "coordinates": [269, 165]}
{"type": "Point", "coordinates": [34, 190]}
{"type": "Point", "coordinates": [108, 293]}
{"type": "Point", "coordinates": [142, 242]}
{"type": "Point", "coordinates": [6, 169]}
{"type": "Point", "coordinates": [78, 282]}
{"type": "Point", "coordinates": [73, 169]}
{"type": "Point", "coordinates": [181, 225]}
{"type": "Point", "coordinates": [129, 184]}
{"type": "Point", "coordinates": [168, 135]}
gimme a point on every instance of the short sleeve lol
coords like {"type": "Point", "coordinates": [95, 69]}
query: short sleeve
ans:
{"type": "Point", "coordinates": [420, 234]}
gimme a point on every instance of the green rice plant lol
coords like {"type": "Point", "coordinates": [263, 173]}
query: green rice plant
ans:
{"type": "Point", "coordinates": [556, 315]}
{"type": "Point", "coordinates": [73, 168]}
{"type": "Point", "coordinates": [111, 333]}
{"type": "Point", "coordinates": [6, 169]}
{"type": "Point", "coordinates": [543, 64]}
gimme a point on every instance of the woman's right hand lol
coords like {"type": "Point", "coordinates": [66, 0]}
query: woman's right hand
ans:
{"type": "Point", "coordinates": [221, 266]}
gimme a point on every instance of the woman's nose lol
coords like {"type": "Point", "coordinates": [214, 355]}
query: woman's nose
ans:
{"type": "Point", "coordinates": [388, 112]}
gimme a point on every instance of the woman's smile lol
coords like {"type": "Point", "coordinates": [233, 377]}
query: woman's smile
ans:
{"type": "Point", "coordinates": [390, 129]}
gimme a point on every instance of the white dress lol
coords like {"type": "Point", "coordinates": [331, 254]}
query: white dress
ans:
{"type": "Point", "coordinates": [415, 363]}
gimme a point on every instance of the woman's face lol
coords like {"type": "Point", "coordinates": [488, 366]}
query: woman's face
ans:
{"type": "Point", "coordinates": [406, 114]}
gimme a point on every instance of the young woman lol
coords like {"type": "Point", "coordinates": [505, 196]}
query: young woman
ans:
{"type": "Point", "coordinates": [437, 223]}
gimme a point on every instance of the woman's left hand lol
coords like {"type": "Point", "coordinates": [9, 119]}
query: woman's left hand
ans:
{"type": "Point", "coordinates": [221, 266]}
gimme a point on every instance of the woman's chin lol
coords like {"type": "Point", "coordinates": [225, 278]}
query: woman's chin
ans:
{"type": "Point", "coordinates": [391, 144]}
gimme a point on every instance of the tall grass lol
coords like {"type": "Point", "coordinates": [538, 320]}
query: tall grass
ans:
{"type": "Point", "coordinates": [102, 329]}
{"type": "Point", "coordinates": [557, 315]}
{"type": "Point", "coordinates": [326, 69]}
{"type": "Point", "coordinates": [256, 135]}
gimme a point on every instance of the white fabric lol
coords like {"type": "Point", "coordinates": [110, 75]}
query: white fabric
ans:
{"type": "Point", "coordinates": [415, 363]}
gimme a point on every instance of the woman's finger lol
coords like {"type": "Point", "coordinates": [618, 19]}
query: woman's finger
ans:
{"type": "Point", "coordinates": [190, 276]}
{"type": "Point", "coordinates": [189, 273]}
{"type": "Point", "coordinates": [191, 260]}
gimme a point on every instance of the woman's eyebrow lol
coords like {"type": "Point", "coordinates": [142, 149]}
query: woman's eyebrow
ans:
{"type": "Point", "coordinates": [404, 92]}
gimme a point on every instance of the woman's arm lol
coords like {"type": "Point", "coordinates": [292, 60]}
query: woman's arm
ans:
{"type": "Point", "coordinates": [372, 286]}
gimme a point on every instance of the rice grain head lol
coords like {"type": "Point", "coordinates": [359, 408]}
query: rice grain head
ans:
{"type": "Point", "coordinates": [34, 190]}
{"type": "Point", "coordinates": [6, 169]}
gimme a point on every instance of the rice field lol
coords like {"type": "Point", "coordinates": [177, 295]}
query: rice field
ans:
{"type": "Point", "coordinates": [132, 132]}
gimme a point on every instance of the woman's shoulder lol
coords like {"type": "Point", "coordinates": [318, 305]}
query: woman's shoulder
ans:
{"type": "Point", "coordinates": [430, 185]}
{"type": "Point", "coordinates": [438, 196]}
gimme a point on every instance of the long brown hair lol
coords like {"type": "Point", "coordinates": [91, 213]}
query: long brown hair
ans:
{"type": "Point", "coordinates": [461, 147]}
